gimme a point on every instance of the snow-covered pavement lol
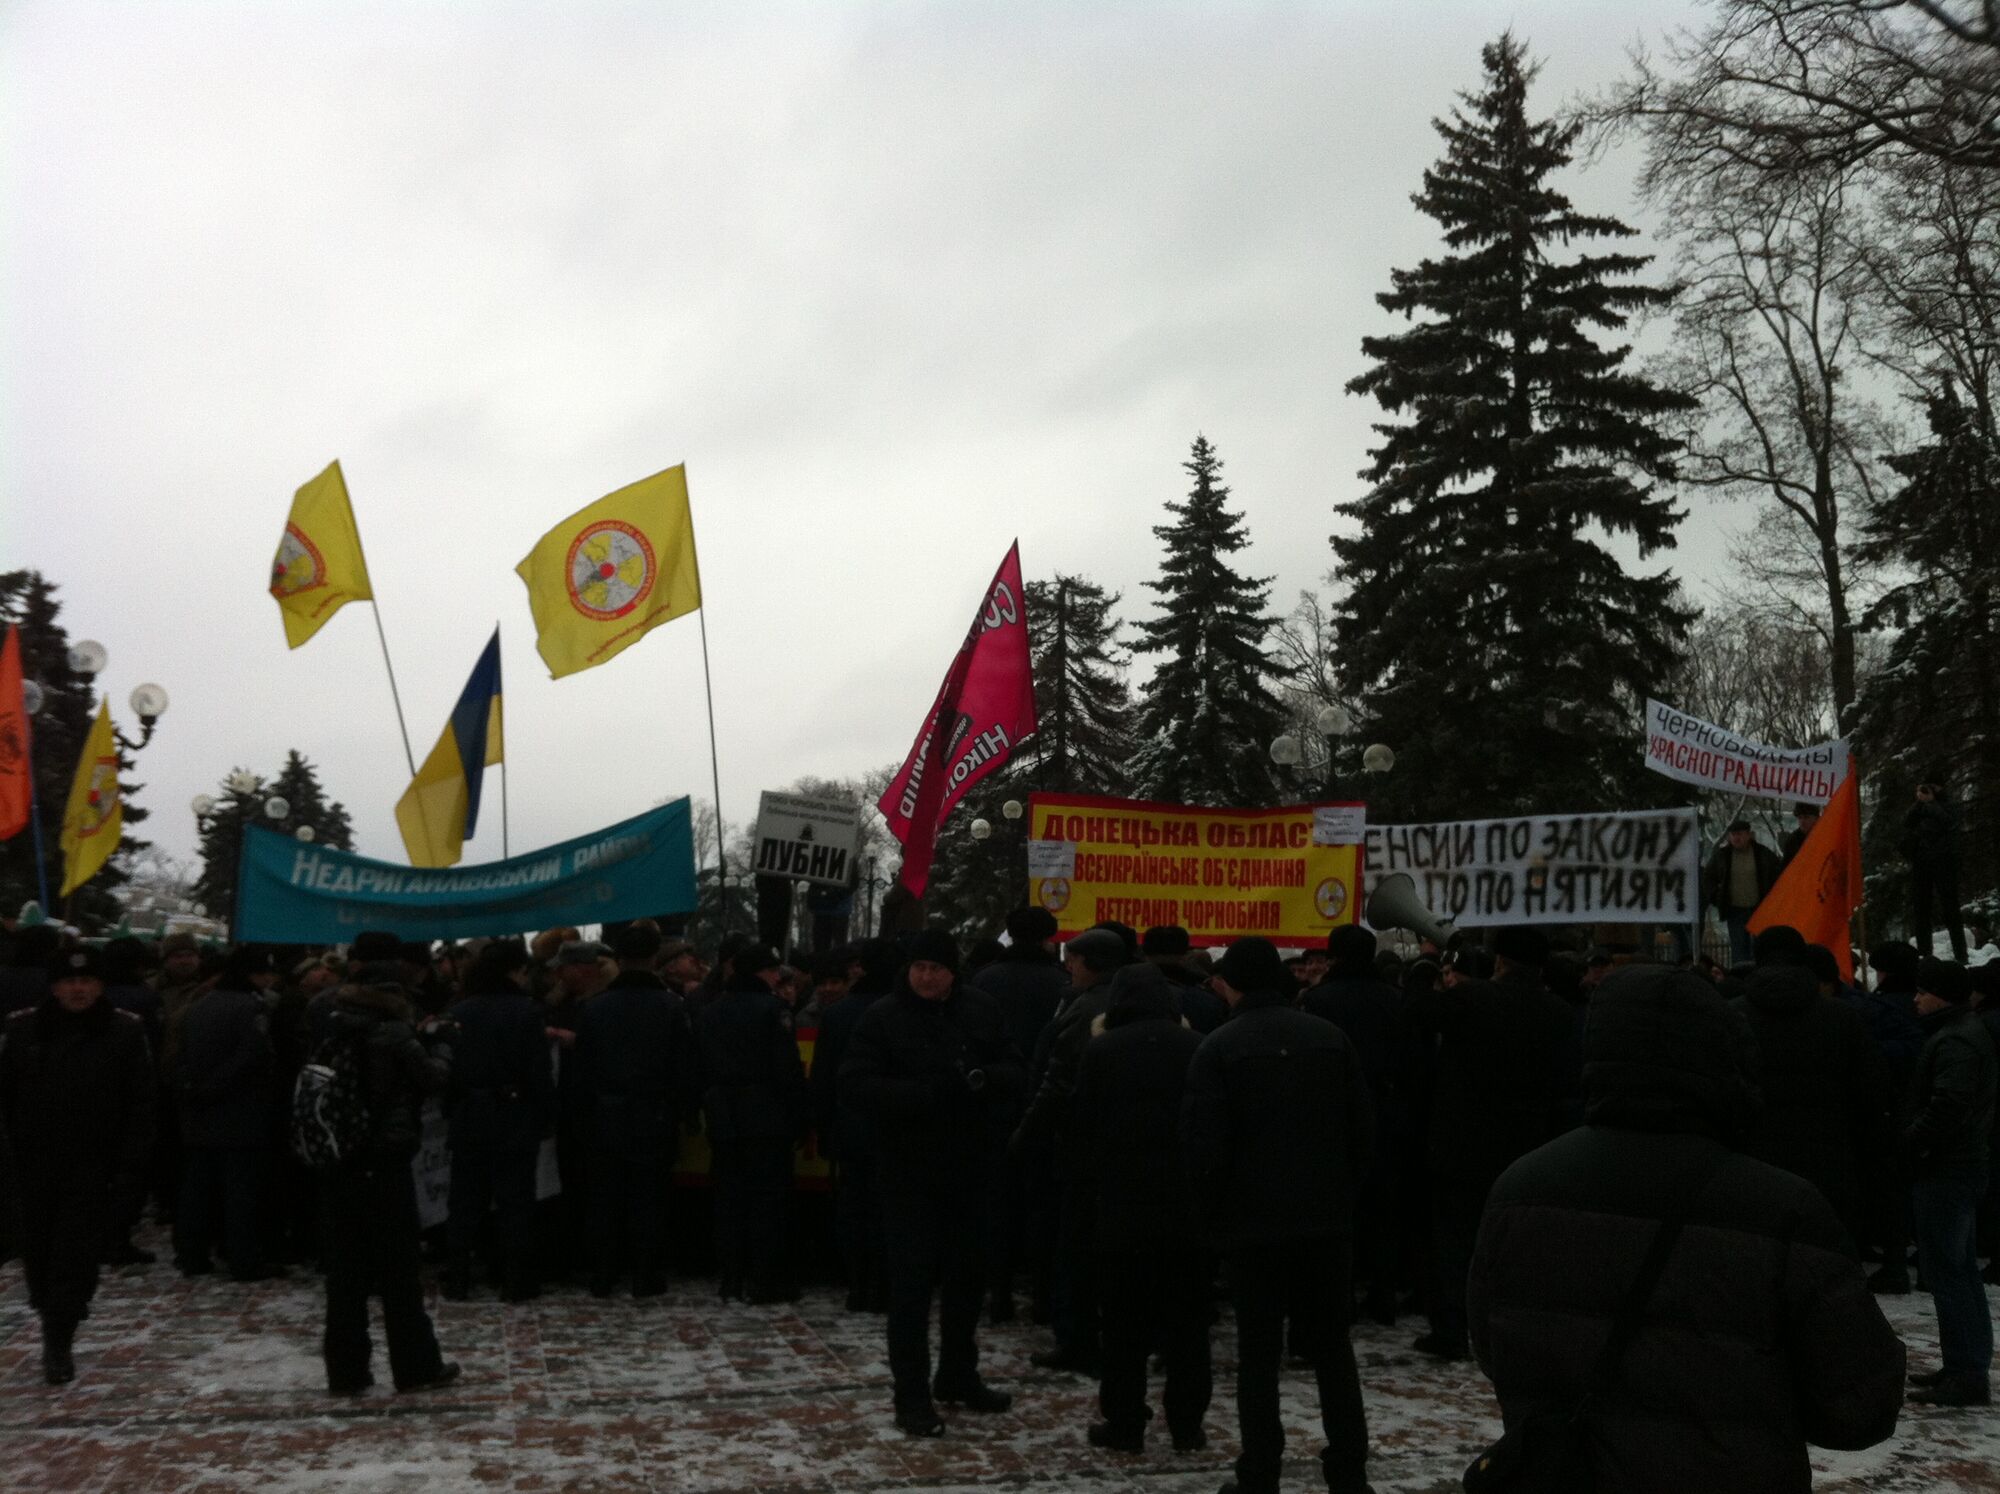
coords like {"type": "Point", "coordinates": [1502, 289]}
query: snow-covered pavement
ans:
{"type": "Point", "coordinates": [210, 1387]}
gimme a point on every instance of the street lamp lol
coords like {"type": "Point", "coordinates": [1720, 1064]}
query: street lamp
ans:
{"type": "Point", "coordinates": [981, 829]}
{"type": "Point", "coordinates": [89, 658]}
{"type": "Point", "coordinates": [1013, 809]}
{"type": "Point", "coordinates": [203, 805]}
{"type": "Point", "coordinates": [1378, 759]}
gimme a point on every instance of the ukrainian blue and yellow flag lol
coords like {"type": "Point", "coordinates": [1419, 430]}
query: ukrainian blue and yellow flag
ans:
{"type": "Point", "coordinates": [439, 811]}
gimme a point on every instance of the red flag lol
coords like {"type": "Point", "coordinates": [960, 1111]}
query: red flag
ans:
{"type": "Point", "coordinates": [983, 709]}
{"type": "Point", "coordinates": [1818, 893]}
{"type": "Point", "coordinates": [16, 756]}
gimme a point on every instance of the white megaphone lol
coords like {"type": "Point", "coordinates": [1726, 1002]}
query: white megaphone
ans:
{"type": "Point", "coordinates": [1394, 904]}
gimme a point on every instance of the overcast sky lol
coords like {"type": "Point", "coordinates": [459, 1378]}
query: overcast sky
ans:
{"type": "Point", "coordinates": [898, 282]}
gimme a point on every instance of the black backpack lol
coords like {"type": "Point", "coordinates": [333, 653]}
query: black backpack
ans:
{"type": "Point", "coordinates": [330, 1119]}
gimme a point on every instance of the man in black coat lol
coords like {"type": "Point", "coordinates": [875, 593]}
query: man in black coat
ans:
{"type": "Point", "coordinates": [1761, 1336]}
{"type": "Point", "coordinates": [843, 1135]}
{"type": "Point", "coordinates": [1370, 1012]}
{"type": "Point", "coordinates": [1167, 946]}
{"type": "Point", "coordinates": [1152, 1265]}
{"type": "Point", "coordinates": [1739, 873]}
{"type": "Point", "coordinates": [932, 1071]}
{"type": "Point", "coordinates": [76, 1121]}
{"type": "Point", "coordinates": [500, 1104]}
{"type": "Point", "coordinates": [1504, 1056]}
{"type": "Point", "coordinates": [223, 1078]}
{"type": "Point", "coordinates": [1947, 1136]}
{"type": "Point", "coordinates": [635, 1069]}
{"type": "Point", "coordinates": [1930, 841]}
{"type": "Point", "coordinates": [126, 990]}
{"type": "Point", "coordinates": [1821, 1079]}
{"type": "Point", "coordinates": [753, 1091]}
{"type": "Point", "coordinates": [369, 1199]}
{"type": "Point", "coordinates": [1277, 1130]}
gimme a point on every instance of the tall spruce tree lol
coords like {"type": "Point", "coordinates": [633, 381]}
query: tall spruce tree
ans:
{"type": "Point", "coordinates": [1083, 742]}
{"type": "Point", "coordinates": [1207, 716]}
{"type": "Point", "coordinates": [1496, 643]}
{"type": "Point", "coordinates": [1932, 711]}
{"type": "Point", "coordinates": [236, 810]}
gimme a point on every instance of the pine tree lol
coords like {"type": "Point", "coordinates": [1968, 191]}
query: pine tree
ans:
{"type": "Point", "coordinates": [1083, 742]}
{"type": "Point", "coordinates": [236, 809]}
{"type": "Point", "coordinates": [1931, 713]}
{"type": "Point", "coordinates": [1496, 643]}
{"type": "Point", "coordinates": [1207, 716]}
{"type": "Point", "coordinates": [69, 706]}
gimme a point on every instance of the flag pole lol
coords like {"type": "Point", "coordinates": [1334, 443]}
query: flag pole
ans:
{"type": "Point", "coordinates": [394, 694]}
{"type": "Point", "coordinates": [708, 692]}
{"type": "Point", "coordinates": [504, 852]}
{"type": "Point", "coordinates": [35, 819]}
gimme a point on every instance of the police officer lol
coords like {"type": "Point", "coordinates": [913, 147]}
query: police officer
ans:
{"type": "Point", "coordinates": [635, 1073]}
{"type": "Point", "coordinates": [76, 1114]}
{"type": "Point", "coordinates": [500, 1103]}
{"type": "Point", "coordinates": [754, 1096]}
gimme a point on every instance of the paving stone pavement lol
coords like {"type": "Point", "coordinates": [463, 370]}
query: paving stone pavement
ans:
{"type": "Point", "coordinates": [206, 1387]}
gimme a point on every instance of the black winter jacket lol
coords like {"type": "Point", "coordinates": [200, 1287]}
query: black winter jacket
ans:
{"type": "Point", "coordinates": [908, 1075]}
{"type": "Point", "coordinates": [1125, 1116]}
{"type": "Point", "coordinates": [1822, 1081]}
{"type": "Point", "coordinates": [635, 1064]}
{"type": "Point", "coordinates": [1949, 1130]}
{"type": "Point", "coordinates": [753, 1086]}
{"type": "Point", "coordinates": [841, 1132]}
{"type": "Point", "coordinates": [1761, 1336]}
{"type": "Point", "coordinates": [1716, 878]}
{"type": "Point", "coordinates": [502, 1088]}
{"type": "Point", "coordinates": [224, 1076]}
{"type": "Point", "coordinates": [1505, 1049]}
{"type": "Point", "coordinates": [1045, 1122]}
{"type": "Point", "coordinates": [1276, 1126]}
{"type": "Point", "coordinates": [76, 1097]}
{"type": "Point", "coordinates": [1029, 985]}
{"type": "Point", "coordinates": [399, 1070]}
{"type": "Point", "coordinates": [1371, 1013]}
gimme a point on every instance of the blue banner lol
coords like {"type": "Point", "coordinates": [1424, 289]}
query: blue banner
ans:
{"type": "Point", "coordinates": [290, 892]}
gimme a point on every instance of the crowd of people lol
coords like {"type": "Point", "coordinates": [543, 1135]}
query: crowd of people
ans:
{"type": "Point", "coordinates": [1654, 1188]}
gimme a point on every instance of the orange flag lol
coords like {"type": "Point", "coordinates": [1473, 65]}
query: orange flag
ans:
{"type": "Point", "coordinates": [1818, 893]}
{"type": "Point", "coordinates": [16, 760]}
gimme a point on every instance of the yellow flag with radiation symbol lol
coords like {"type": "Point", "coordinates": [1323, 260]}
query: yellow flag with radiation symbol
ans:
{"type": "Point", "coordinates": [609, 574]}
{"type": "Point", "coordinates": [94, 817]}
{"type": "Point", "coordinates": [319, 566]}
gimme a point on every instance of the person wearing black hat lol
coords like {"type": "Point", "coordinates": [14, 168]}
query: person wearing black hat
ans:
{"type": "Point", "coordinates": [635, 1072]}
{"type": "Point", "coordinates": [1948, 1136]}
{"type": "Point", "coordinates": [844, 1136]}
{"type": "Point", "coordinates": [932, 1071]}
{"type": "Point", "coordinates": [753, 1092]}
{"type": "Point", "coordinates": [1168, 947]}
{"type": "Point", "coordinates": [1890, 1015]}
{"type": "Point", "coordinates": [1930, 842]}
{"type": "Point", "coordinates": [76, 1121]}
{"type": "Point", "coordinates": [1739, 873]}
{"type": "Point", "coordinates": [1091, 959]}
{"type": "Point", "coordinates": [1507, 1061]}
{"type": "Point", "coordinates": [222, 1077]}
{"type": "Point", "coordinates": [1759, 1336]}
{"type": "Point", "coordinates": [500, 1104]}
{"type": "Point", "coordinates": [1371, 1013]}
{"type": "Point", "coordinates": [126, 990]}
{"type": "Point", "coordinates": [1822, 1080]}
{"type": "Point", "coordinates": [1277, 1130]}
{"type": "Point", "coordinates": [1804, 817]}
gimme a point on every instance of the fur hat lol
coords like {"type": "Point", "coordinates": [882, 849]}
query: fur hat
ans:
{"type": "Point", "coordinates": [1254, 964]}
{"type": "Point", "coordinates": [932, 944]}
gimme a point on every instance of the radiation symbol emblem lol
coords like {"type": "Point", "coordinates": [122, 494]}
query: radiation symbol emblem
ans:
{"type": "Point", "coordinates": [611, 570]}
{"type": "Point", "coordinates": [299, 566]}
{"type": "Point", "coordinates": [1053, 893]}
{"type": "Point", "coordinates": [101, 798]}
{"type": "Point", "coordinates": [1330, 897]}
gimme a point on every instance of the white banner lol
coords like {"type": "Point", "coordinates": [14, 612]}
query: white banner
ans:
{"type": "Point", "coordinates": [1690, 751]}
{"type": "Point", "coordinates": [807, 839]}
{"type": "Point", "coordinates": [1643, 867]}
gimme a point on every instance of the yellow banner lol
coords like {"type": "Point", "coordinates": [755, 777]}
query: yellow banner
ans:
{"type": "Point", "coordinates": [1291, 874]}
{"type": "Point", "coordinates": [319, 567]}
{"type": "Point", "coordinates": [94, 817]}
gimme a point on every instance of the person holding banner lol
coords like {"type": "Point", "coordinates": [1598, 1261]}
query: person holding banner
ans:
{"type": "Point", "coordinates": [933, 1073]}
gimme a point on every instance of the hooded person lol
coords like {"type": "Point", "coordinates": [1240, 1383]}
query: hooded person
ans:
{"type": "Point", "coordinates": [932, 1071]}
{"type": "Point", "coordinates": [76, 1123]}
{"type": "Point", "coordinates": [1760, 1336]}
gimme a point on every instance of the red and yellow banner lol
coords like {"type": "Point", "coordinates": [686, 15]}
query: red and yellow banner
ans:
{"type": "Point", "coordinates": [1291, 874]}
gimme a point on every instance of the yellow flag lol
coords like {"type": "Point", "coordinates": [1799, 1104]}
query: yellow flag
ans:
{"type": "Point", "coordinates": [94, 818]}
{"type": "Point", "coordinates": [319, 567]}
{"type": "Point", "coordinates": [610, 573]}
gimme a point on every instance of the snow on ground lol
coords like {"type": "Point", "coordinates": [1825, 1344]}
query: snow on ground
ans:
{"type": "Point", "coordinates": [211, 1388]}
